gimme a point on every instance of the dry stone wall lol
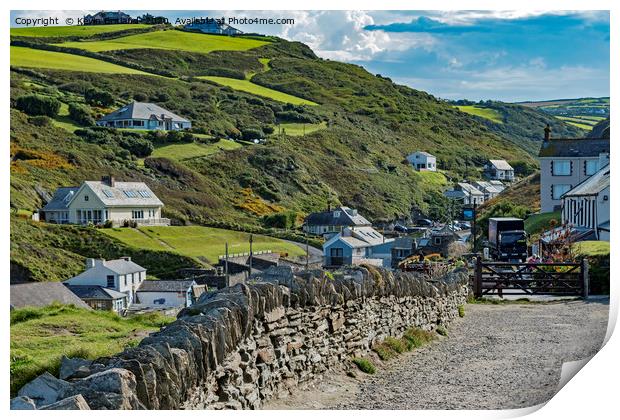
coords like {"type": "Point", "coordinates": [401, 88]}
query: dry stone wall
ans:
{"type": "Point", "coordinates": [243, 345]}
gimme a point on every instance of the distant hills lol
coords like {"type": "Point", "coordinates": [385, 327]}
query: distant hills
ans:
{"type": "Point", "coordinates": [583, 113]}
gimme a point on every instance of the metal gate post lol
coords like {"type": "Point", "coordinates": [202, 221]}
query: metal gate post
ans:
{"type": "Point", "coordinates": [585, 277]}
{"type": "Point", "coordinates": [478, 278]}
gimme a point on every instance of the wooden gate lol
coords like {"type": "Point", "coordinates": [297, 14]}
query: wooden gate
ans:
{"type": "Point", "coordinates": [503, 278]}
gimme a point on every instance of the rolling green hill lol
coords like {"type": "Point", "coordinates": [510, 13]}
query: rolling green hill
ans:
{"type": "Point", "coordinates": [366, 126]}
{"type": "Point", "coordinates": [76, 30]}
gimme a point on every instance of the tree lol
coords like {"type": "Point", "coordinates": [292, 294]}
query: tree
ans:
{"type": "Point", "coordinates": [80, 114]}
{"type": "Point", "coordinates": [98, 97]}
{"type": "Point", "coordinates": [38, 105]}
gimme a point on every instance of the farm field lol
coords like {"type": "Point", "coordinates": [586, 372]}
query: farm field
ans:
{"type": "Point", "coordinates": [199, 241]}
{"type": "Point", "coordinates": [76, 30]}
{"type": "Point", "coordinates": [249, 87]}
{"type": "Point", "coordinates": [298, 129]}
{"type": "Point", "coordinates": [170, 40]}
{"type": "Point", "coordinates": [192, 150]}
{"type": "Point", "coordinates": [583, 122]}
{"type": "Point", "coordinates": [489, 114]}
{"type": "Point", "coordinates": [28, 57]}
{"type": "Point", "coordinates": [41, 336]}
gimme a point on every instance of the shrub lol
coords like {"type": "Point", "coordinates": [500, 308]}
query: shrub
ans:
{"type": "Point", "coordinates": [252, 133]}
{"type": "Point", "coordinates": [140, 97]}
{"type": "Point", "coordinates": [418, 337]}
{"type": "Point", "coordinates": [80, 114]}
{"type": "Point", "coordinates": [98, 97]}
{"type": "Point", "coordinates": [38, 105]}
{"type": "Point", "coordinates": [365, 365]}
{"type": "Point", "coordinates": [461, 311]}
{"type": "Point", "coordinates": [384, 352]}
{"type": "Point", "coordinates": [441, 330]}
{"type": "Point", "coordinates": [398, 345]}
{"type": "Point", "coordinates": [40, 121]}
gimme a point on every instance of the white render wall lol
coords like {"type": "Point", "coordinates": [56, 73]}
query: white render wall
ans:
{"type": "Point", "coordinates": [174, 299]}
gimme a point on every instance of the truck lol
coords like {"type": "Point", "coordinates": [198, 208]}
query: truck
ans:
{"type": "Point", "coordinates": [507, 239]}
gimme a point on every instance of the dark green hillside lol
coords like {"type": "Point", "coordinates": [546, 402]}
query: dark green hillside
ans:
{"type": "Point", "coordinates": [524, 125]}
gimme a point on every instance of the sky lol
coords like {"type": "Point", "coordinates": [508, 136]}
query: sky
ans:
{"type": "Point", "coordinates": [477, 55]}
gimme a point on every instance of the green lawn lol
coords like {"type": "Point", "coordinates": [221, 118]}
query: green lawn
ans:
{"type": "Point", "coordinates": [199, 241]}
{"type": "Point", "coordinates": [192, 150]}
{"type": "Point", "coordinates": [77, 30]}
{"type": "Point", "coordinates": [40, 336]}
{"type": "Point", "coordinates": [299, 129]}
{"type": "Point", "coordinates": [62, 120]}
{"type": "Point", "coordinates": [537, 223]}
{"type": "Point", "coordinates": [28, 57]}
{"type": "Point", "coordinates": [488, 113]}
{"type": "Point", "coordinates": [591, 248]}
{"type": "Point", "coordinates": [249, 87]}
{"type": "Point", "coordinates": [436, 179]}
{"type": "Point", "coordinates": [170, 40]}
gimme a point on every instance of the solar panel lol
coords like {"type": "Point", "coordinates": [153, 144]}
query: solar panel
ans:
{"type": "Point", "coordinates": [108, 193]}
{"type": "Point", "coordinates": [145, 194]}
{"type": "Point", "coordinates": [130, 194]}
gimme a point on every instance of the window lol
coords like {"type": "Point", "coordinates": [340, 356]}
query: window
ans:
{"type": "Point", "coordinates": [137, 214]}
{"type": "Point", "coordinates": [108, 193]}
{"type": "Point", "coordinates": [85, 198]}
{"type": "Point", "coordinates": [437, 240]}
{"type": "Point", "coordinates": [591, 166]}
{"type": "Point", "coordinates": [561, 167]}
{"type": "Point", "coordinates": [144, 194]}
{"type": "Point", "coordinates": [336, 252]}
{"type": "Point", "coordinates": [110, 282]}
{"type": "Point", "coordinates": [558, 190]}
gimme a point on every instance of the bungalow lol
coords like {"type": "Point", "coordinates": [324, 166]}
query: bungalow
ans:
{"type": "Point", "coordinates": [423, 161]}
{"type": "Point", "coordinates": [107, 18]}
{"type": "Point", "coordinates": [489, 190]}
{"type": "Point", "coordinates": [358, 245]}
{"type": "Point", "coordinates": [465, 193]}
{"type": "Point", "coordinates": [499, 169]}
{"type": "Point", "coordinates": [333, 221]}
{"type": "Point", "coordinates": [122, 275]}
{"type": "Point", "coordinates": [101, 298]}
{"type": "Point", "coordinates": [212, 26]}
{"type": "Point", "coordinates": [167, 293]}
{"type": "Point", "coordinates": [144, 116]}
{"type": "Point", "coordinates": [587, 205]}
{"type": "Point", "coordinates": [107, 200]}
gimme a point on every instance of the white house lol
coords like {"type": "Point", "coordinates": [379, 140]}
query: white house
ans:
{"type": "Point", "coordinates": [167, 293]}
{"type": "Point", "coordinates": [465, 193]}
{"type": "Point", "coordinates": [358, 245]}
{"type": "Point", "coordinates": [423, 161]}
{"type": "Point", "coordinates": [499, 169]}
{"type": "Point", "coordinates": [99, 201]}
{"type": "Point", "coordinates": [122, 275]}
{"type": "Point", "coordinates": [144, 116]}
{"type": "Point", "coordinates": [587, 205]}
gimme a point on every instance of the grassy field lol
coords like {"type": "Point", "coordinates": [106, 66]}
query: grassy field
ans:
{"type": "Point", "coordinates": [299, 129]}
{"type": "Point", "coordinates": [77, 30]}
{"type": "Point", "coordinates": [437, 179]}
{"type": "Point", "coordinates": [27, 57]}
{"type": "Point", "coordinates": [198, 241]}
{"type": "Point", "coordinates": [591, 248]}
{"type": "Point", "coordinates": [249, 87]}
{"type": "Point", "coordinates": [192, 150]}
{"type": "Point", "coordinates": [537, 223]}
{"type": "Point", "coordinates": [41, 336]}
{"type": "Point", "coordinates": [585, 123]}
{"type": "Point", "coordinates": [63, 121]}
{"type": "Point", "coordinates": [170, 40]}
{"type": "Point", "coordinates": [489, 114]}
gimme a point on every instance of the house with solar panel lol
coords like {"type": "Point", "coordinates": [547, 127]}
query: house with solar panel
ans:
{"type": "Point", "coordinates": [108, 200]}
{"type": "Point", "coordinates": [144, 116]}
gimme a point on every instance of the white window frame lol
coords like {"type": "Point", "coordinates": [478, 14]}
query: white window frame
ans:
{"type": "Point", "coordinates": [556, 166]}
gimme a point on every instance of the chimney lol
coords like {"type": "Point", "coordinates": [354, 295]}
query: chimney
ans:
{"type": "Point", "coordinates": [90, 263]}
{"type": "Point", "coordinates": [547, 133]}
{"type": "Point", "coordinates": [108, 180]}
{"type": "Point", "coordinates": [126, 258]}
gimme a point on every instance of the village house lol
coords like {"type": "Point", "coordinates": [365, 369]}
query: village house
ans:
{"type": "Point", "coordinates": [107, 18]}
{"type": "Point", "coordinates": [166, 293]}
{"type": "Point", "coordinates": [586, 206]}
{"type": "Point", "coordinates": [423, 161]}
{"type": "Point", "coordinates": [489, 190]}
{"type": "Point", "coordinates": [465, 193]}
{"type": "Point", "coordinates": [565, 163]}
{"type": "Point", "coordinates": [499, 170]}
{"type": "Point", "coordinates": [358, 245]}
{"type": "Point", "coordinates": [122, 275]}
{"type": "Point", "coordinates": [40, 294]}
{"type": "Point", "coordinates": [100, 298]}
{"type": "Point", "coordinates": [97, 202]}
{"type": "Point", "coordinates": [333, 221]}
{"type": "Point", "coordinates": [211, 26]}
{"type": "Point", "coordinates": [144, 116]}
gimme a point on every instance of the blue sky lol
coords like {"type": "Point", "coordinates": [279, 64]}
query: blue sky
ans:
{"type": "Point", "coordinates": [505, 55]}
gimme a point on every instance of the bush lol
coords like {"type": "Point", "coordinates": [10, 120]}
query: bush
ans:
{"type": "Point", "coordinates": [284, 220]}
{"type": "Point", "coordinates": [461, 311]}
{"type": "Point", "coordinates": [441, 330]}
{"type": "Point", "coordinates": [40, 121]}
{"type": "Point", "coordinates": [80, 114]}
{"type": "Point", "coordinates": [140, 97]}
{"type": "Point", "coordinates": [398, 345]}
{"type": "Point", "coordinates": [384, 352]}
{"type": "Point", "coordinates": [418, 337]}
{"type": "Point", "coordinates": [365, 365]}
{"type": "Point", "coordinates": [38, 105]}
{"type": "Point", "coordinates": [252, 133]}
{"type": "Point", "coordinates": [98, 97]}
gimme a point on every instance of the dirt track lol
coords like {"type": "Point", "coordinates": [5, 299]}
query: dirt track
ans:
{"type": "Point", "coordinates": [497, 357]}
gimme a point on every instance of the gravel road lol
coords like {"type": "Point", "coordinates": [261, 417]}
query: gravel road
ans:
{"type": "Point", "coordinates": [496, 357]}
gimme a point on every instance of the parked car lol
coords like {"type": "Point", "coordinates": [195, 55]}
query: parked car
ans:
{"type": "Point", "coordinates": [400, 228]}
{"type": "Point", "coordinates": [424, 222]}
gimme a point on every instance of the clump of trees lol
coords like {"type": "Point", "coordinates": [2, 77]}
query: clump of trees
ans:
{"type": "Point", "coordinates": [283, 220]}
{"type": "Point", "coordinates": [98, 97]}
{"type": "Point", "coordinates": [80, 114]}
{"type": "Point", "coordinates": [134, 143]}
{"type": "Point", "coordinates": [38, 105]}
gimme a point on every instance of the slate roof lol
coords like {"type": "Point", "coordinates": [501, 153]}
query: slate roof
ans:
{"type": "Point", "coordinates": [43, 294]}
{"type": "Point", "coordinates": [61, 198]}
{"type": "Point", "coordinates": [468, 188]}
{"type": "Point", "coordinates": [95, 292]}
{"type": "Point", "coordinates": [348, 217]}
{"type": "Point", "coordinates": [488, 187]}
{"type": "Point", "coordinates": [591, 186]}
{"type": "Point", "coordinates": [502, 165]}
{"type": "Point", "coordinates": [142, 111]}
{"type": "Point", "coordinates": [119, 196]}
{"type": "Point", "coordinates": [122, 266]}
{"type": "Point", "coordinates": [166, 285]}
{"type": "Point", "coordinates": [574, 147]}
